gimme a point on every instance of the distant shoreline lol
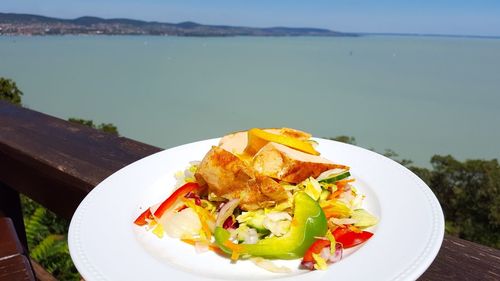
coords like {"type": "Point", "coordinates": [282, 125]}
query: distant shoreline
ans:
{"type": "Point", "coordinates": [13, 24]}
{"type": "Point", "coordinates": [450, 36]}
{"type": "Point", "coordinates": [27, 24]}
{"type": "Point", "coordinates": [429, 35]}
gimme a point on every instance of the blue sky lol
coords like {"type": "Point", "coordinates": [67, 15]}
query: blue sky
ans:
{"type": "Point", "coordinates": [466, 17]}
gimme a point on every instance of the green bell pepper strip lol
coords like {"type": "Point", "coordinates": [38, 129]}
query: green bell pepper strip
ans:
{"type": "Point", "coordinates": [308, 222]}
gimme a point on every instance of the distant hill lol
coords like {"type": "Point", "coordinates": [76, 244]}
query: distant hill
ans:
{"type": "Point", "coordinates": [26, 24]}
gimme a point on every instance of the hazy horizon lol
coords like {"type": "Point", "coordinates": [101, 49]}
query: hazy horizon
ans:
{"type": "Point", "coordinates": [476, 18]}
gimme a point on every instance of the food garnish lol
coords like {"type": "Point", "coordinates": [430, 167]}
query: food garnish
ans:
{"type": "Point", "coordinates": [265, 194]}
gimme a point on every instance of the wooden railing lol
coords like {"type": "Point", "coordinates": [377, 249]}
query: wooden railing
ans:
{"type": "Point", "coordinates": [57, 164]}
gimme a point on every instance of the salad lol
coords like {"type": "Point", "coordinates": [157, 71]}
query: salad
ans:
{"type": "Point", "coordinates": [265, 194]}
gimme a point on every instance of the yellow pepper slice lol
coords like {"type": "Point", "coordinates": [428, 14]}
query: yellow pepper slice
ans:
{"type": "Point", "coordinates": [257, 138]}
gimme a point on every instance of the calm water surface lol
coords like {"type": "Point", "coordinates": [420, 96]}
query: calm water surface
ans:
{"type": "Point", "coordinates": [418, 96]}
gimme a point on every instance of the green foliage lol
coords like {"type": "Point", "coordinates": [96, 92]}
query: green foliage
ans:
{"type": "Point", "coordinates": [395, 156]}
{"type": "Point", "coordinates": [345, 139]}
{"type": "Point", "coordinates": [50, 246]}
{"type": "Point", "coordinates": [108, 128]}
{"type": "Point", "coordinates": [469, 195]}
{"type": "Point", "coordinates": [54, 252]}
{"type": "Point", "coordinates": [36, 230]}
{"type": "Point", "coordinates": [47, 240]}
{"type": "Point", "coordinates": [105, 127]}
{"type": "Point", "coordinates": [88, 123]}
{"type": "Point", "coordinates": [9, 91]}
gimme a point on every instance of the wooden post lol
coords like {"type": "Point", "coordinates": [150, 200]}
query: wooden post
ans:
{"type": "Point", "coordinates": [10, 206]}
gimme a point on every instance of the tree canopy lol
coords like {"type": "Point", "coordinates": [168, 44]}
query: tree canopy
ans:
{"type": "Point", "coordinates": [9, 91]}
{"type": "Point", "coordinates": [469, 195]}
{"type": "Point", "coordinates": [105, 127]}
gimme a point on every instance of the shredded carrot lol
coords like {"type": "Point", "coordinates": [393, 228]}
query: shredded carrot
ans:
{"type": "Point", "coordinates": [344, 182]}
{"type": "Point", "coordinates": [340, 188]}
{"type": "Point", "coordinates": [331, 213]}
{"type": "Point", "coordinates": [189, 241]}
{"type": "Point", "coordinates": [204, 216]}
{"type": "Point", "coordinates": [235, 256]}
{"type": "Point", "coordinates": [355, 229]}
{"type": "Point", "coordinates": [180, 208]}
{"type": "Point", "coordinates": [235, 249]}
{"type": "Point", "coordinates": [335, 208]}
{"type": "Point", "coordinates": [336, 193]}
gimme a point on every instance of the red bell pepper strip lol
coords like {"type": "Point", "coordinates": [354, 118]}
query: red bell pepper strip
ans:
{"type": "Point", "coordinates": [180, 192]}
{"type": "Point", "coordinates": [349, 238]}
{"type": "Point", "coordinates": [167, 204]}
{"type": "Point", "coordinates": [340, 231]}
{"type": "Point", "coordinates": [141, 220]}
{"type": "Point", "coordinates": [315, 248]}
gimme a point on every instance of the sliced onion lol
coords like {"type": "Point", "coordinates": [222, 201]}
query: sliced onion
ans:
{"type": "Point", "coordinates": [337, 256]}
{"type": "Point", "coordinates": [185, 222]}
{"type": "Point", "coordinates": [196, 197]}
{"type": "Point", "coordinates": [307, 265]}
{"type": "Point", "coordinates": [226, 211]}
{"type": "Point", "coordinates": [325, 253]}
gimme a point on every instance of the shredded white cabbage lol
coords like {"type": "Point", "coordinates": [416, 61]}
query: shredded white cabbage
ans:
{"type": "Point", "coordinates": [177, 225]}
{"type": "Point", "coordinates": [270, 266]}
{"type": "Point", "coordinates": [246, 234]}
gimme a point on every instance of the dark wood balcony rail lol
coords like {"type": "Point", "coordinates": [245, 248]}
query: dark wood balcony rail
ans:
{"type": "Point", "coordinates": [57, 163]}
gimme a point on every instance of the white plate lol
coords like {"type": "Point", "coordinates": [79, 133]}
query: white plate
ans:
{"type": "Point", "coordinates": [106, 245]}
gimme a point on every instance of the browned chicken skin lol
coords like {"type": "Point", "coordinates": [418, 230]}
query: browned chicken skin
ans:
{"type": "Point", "coordinates": [254, 179]}
{"type": "Point", "coordinates": [229, 177]}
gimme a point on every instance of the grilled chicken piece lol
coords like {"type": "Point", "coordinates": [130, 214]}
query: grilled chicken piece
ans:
{"type": "Point", "coordinates": [237, 142]}
{"type": "Point", "coordinates": [290, 165]}
{"type": "Point", "coordinates": [229, 177]}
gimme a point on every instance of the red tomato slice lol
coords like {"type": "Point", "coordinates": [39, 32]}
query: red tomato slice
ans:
{"type": "Point", "coordinates": [315, 248]}
{"type": "Point", "coordinates": [349, 238]}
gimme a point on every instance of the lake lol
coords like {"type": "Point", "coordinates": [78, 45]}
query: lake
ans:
{"type": "Point", "coordinates": [419, 96]}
